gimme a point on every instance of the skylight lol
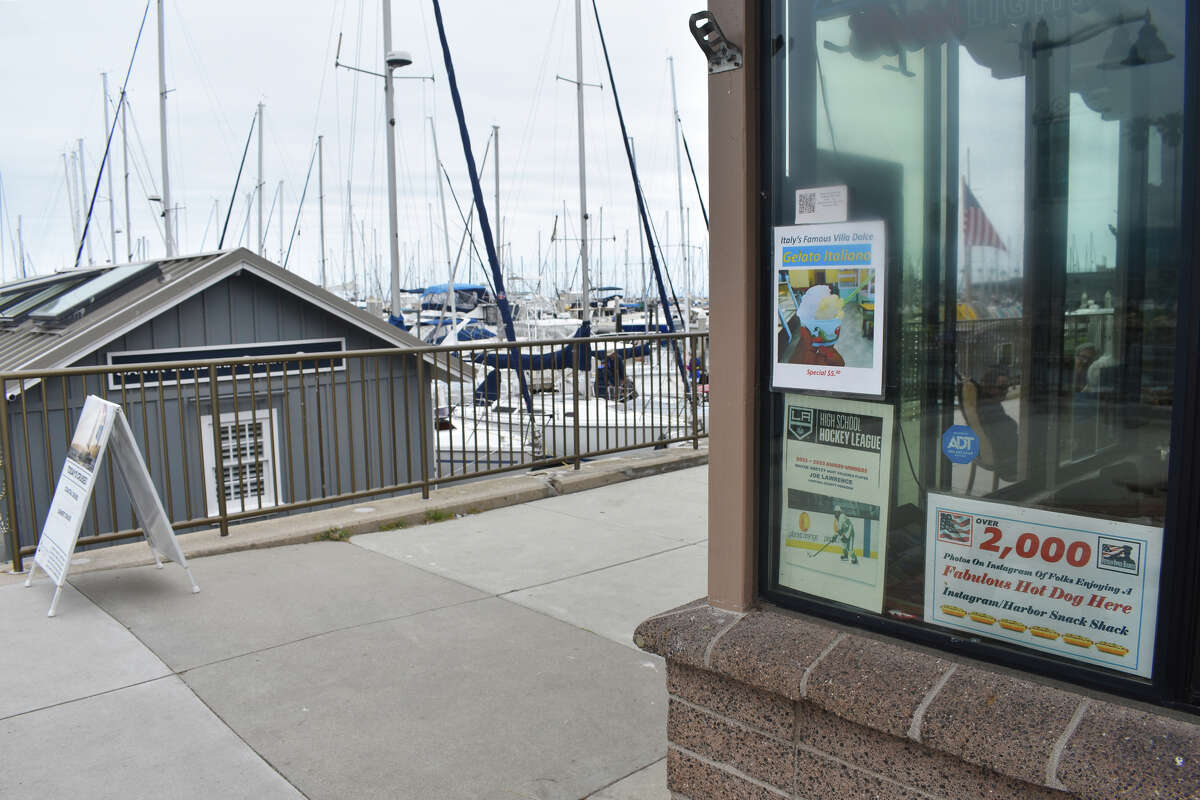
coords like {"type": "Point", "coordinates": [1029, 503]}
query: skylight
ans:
{"type": "Point", "coordinates": [83, 295]}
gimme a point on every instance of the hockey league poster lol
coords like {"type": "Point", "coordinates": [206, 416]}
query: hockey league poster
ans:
{"type": "Point", "coordinates": [835, 495]}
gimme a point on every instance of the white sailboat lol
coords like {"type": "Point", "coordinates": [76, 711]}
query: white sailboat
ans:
{"type": "Point", "coordinates": [594, 408]}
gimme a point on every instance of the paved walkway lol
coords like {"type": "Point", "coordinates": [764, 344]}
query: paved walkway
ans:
{"type": "Point", "coordinates": [487, 656]}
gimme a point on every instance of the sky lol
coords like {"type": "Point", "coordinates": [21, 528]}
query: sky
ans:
{"type": "Point", "coordinates": [225, 57]}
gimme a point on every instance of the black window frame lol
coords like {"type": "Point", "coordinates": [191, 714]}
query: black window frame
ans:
{"type": "Point", "coordinates": [1175, 681]}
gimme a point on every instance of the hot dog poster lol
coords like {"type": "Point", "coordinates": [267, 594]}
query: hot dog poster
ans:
{"type": "Point", "coordinates": [828, 283]}
{"type": "Point", "coordinates": [836, 492]}
{"type": "Point", "coordinates": [1081, 588]}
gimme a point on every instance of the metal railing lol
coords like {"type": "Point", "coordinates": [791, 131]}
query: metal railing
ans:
{"type": "Point", "coordinates": [230, 439]}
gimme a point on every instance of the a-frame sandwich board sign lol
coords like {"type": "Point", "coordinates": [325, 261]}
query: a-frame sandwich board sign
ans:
{"type": "Point", "coordinates": [101, 423]}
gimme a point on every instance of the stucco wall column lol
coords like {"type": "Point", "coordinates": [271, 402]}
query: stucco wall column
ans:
{"type": "Point", "coordinates": [734, 267]}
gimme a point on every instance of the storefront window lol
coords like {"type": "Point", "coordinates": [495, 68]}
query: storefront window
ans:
{"type": "Point", "coordinates": [1023, 163]}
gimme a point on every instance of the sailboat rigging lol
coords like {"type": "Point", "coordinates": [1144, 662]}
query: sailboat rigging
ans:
{"type": "Point", "coordinates": [108, 143]}
{"type": "Point", "coordinates": [476, 190]}
{"type": "Point", "coordinates": [641, 203]}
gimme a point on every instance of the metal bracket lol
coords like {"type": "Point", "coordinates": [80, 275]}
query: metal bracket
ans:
{"type": "Point", "coordinates": [722, 54]}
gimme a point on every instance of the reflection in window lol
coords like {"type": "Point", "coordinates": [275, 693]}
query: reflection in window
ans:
{"type": "Point", "coordinates": [1026, 161]}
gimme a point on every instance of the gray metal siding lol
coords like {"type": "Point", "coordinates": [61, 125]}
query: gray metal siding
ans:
{"type": "Point", "coordinates": [356, 422]}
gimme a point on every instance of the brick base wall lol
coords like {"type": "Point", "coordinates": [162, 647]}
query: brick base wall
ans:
{"type": "Point", "coordinates": [776, 706]}
{"type": "Point", "coordinates": [729, 740]}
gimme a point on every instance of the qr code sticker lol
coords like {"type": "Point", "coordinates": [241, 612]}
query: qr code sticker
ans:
{"type": "Point", "coordinates": [806, 202]}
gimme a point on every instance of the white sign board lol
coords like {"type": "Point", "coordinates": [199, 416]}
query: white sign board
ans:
{"type": "Point", "coordinates": [101, 423]}
{"type": "Point", "coordinates": [837, 457]}
{"type": "Point", "coordinates": [821, 204]}
{"type": "Point", "coordinates": [828, 285]}
{"type": "Point", "coordinates": [1078, 587]}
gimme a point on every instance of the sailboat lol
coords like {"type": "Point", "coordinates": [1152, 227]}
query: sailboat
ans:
{"type": "Point", "coordinates": [591, 402]}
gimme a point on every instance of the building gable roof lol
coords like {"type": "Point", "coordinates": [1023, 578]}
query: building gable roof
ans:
{"type": "Point", "coordinates": [32, 344]}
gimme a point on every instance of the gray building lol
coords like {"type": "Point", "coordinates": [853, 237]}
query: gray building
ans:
{"type": "Point", "coordinates": [294, 430]}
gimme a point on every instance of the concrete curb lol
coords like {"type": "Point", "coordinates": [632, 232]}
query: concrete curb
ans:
{"type": "Point", "coordinates": [396, 512]}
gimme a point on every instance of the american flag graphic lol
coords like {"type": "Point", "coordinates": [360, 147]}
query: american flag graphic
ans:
{"type": "Point", "coordinates": [1115, 550]}
{"type": "Point", "coordinates": [1120, 556]}
{"type": "Point", "coordinates": [954, 527]}
{"type": "Point", "coordinates": [977, 228]}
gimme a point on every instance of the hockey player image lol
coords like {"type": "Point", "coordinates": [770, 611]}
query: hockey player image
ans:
{"type": "Point", "coordinates": [843, 531]}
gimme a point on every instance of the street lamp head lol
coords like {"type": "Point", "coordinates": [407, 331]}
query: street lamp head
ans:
{"type": "Point", "coordinates": [397, 59]}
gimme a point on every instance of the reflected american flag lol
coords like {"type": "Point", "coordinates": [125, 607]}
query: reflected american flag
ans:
{"type": "Point", "coordinates": [977, 228]}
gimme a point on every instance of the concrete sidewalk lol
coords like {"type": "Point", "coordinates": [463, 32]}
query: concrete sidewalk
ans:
{"type": "Point", "coordinates": [489, 655]}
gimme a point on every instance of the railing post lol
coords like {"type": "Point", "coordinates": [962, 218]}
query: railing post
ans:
{"type": "Point", "coordinates": [580, 388]}
{"type": "Point", "coordinates": [218, 456]}
{"type": "Point", "coordinates": [693, 386]}
{"type": "Point", "coordinates": [422, 429]}
{"type": "Point", "coordinates": [14, 539]}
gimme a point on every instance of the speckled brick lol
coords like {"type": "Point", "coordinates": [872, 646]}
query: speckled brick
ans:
{"type": "Point", "coordinates": [684, 634]}
{"type": "Point", "coordinates": [771, 650]}
{"type": "Point", "coordinates": [696, 780]}
{"type": "Point", "coordinates": [909, 763]}
{"type": "Point", "coordinates": [984, 734]}
{"type": "Point", "coordinates": [874, 683]}
{"type": "Point", "coordinates": [771, 761]}
{"type": "Point", "coordinates": [767, 712]}
{"type": "Point", "coordinates": [821, 778]}
{"type": "Point", "coordinates": [1003, 723]}
{"type": "Point", "coordinates": [1118, 753]}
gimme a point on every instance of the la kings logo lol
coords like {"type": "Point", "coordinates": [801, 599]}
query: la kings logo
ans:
{"type": "Point", "coordinates": [800, 424]}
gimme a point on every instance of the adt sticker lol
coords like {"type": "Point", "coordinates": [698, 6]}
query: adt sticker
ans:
{"type": "Point", "coordinates": [960, 444]}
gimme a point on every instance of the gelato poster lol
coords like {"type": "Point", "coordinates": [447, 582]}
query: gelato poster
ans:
{"type": "Point", "coordinates": [1077, 587]}
{"type": "Point", "coordinates": [828, 282]}
{"type": "Point", "coordinates": [836, 490]}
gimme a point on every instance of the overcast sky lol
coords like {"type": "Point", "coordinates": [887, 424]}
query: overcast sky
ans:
{"type": "Point", "coordinates": [224, 57]}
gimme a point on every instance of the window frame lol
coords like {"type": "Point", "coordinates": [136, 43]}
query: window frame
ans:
{"type": "Point", "coordinates": [1175, 681]}
{"type": "Point", "coordinates": [268, 418]}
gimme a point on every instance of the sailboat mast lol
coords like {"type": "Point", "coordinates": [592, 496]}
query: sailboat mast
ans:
{"type": "Point", "coordinates": [687, 238]}
{"type": "Point", "coordinates": [625, 272]}
{"type": "Point", "coordinates": [246, 233]}
{"type": "Point", "coordinates": [112, 212]}
{"type": "Point", "coordinates": [168, 234]}
{"type": "Point", "coordinates": [496, 169]}
{"type": "Point", "coordinates": [642, 254]}
{"type": "Point", "coordinates": [600, 248]}
{"type": "Point", "coordinates": [367, 265]}
{"type": "Point", "coordinates": [21, 245]}
{"type": "Point", "coordinates": [125, 153]}
{"type": "Point", "coordinates": [262, 244]}
{"type": "Point", "coordinates": [216, 215]}
{"type": "Point", "coordinates": [83, 203]}
{"type": "Point", "coordinates": [451, 305]}
{"type": "Point", "coordinates": [321, 200]}
{"type": "Point", "coordinates": [71, 199]}
{"type": "Point", "coordinates": [349, 233]}
{"type": "Point", "coordinates": [280, 196]}
{"type": "Point", "coordinates": [583, 212]}
{"type": "Point", "coordinates": [687, 272]}
{"type": "Point", "coordinates": [389, 102]}
{"type": "Point", "coordinates": [437, 159]}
